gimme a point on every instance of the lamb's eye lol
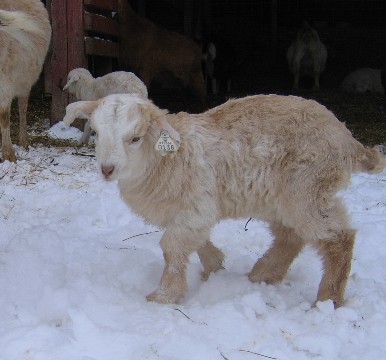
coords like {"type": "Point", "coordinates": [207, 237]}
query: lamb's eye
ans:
{"type": "Point", "coordinates": [135, 139]}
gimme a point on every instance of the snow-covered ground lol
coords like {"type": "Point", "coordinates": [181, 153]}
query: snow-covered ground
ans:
{"type": "Point", "coordinates": [73, 278]}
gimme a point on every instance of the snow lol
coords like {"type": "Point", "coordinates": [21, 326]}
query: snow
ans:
{"type": "Point", "coordinates": [73, 277]}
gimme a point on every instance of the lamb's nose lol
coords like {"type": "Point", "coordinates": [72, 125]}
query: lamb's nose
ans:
{"type": "Point", "coordinates": [107, 170]}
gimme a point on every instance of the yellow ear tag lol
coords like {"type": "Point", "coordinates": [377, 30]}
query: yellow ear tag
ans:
{"type": "Point", "coordinates": [165, 144]}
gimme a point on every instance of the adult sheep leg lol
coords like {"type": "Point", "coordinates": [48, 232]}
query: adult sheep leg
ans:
{"type": "Point", "coordinates": [23, 135]}
{"type": "Point", "coordinates": [316, 70]}
{"type": "Point", "coordinates": [176, 245]}
{"type": "Point", "coordinates": [7, 150]}
{"type": "Point", "coordinates": [273, 266]}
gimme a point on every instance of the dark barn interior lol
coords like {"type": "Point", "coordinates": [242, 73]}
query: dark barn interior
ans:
{"type": "Point", "coordinates": [259, 33]}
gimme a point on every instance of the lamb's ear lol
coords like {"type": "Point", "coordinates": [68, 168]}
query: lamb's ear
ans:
{"type": "Point", "coordinates": [167, 139]}
{"type": "Point", "coordinates": [79, 109]}
{"type": "Point", "coordinates": [71, 80]}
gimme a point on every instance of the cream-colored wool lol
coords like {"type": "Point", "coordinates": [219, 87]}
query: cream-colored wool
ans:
{"type": "Point", "coordinates": [281, 159]}
{"type": "Point", "coordinates": [25, 34]}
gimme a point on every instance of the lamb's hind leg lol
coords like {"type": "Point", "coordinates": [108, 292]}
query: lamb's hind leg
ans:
{"type": "Point", "coordinates": [336, 253]}
{"type": "Point", "coordinates": [211, 259]}
{"type": "Point", "coordinates": [274, 264]}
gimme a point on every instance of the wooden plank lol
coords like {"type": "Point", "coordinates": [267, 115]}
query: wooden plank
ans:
{"type": "Point", "coordinates": [94, 46]}
{"type": "Point", "coordinates": [58, 60]}
{"type": "Point", "coordinates": [47, 68]}
{"type": "Point", "coordinates": [100, 24]}
{"type": "Point", "coordinates": [103, 4]}
{"type": "Point", "coordinates": [75, 46]}
{"type": "Point", "coordinates": [274, 30]}
{"type": "Point", "coordinates": [188, 18]}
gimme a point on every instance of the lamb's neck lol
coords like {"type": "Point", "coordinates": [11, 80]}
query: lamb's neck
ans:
{"type": "Point", "coordinates": [135, 183]}
{"type": "Point", "coordinates": [86, 90]}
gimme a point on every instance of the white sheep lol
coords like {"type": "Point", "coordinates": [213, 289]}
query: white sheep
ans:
{"type": "Point", "coordinates": [25, 34]}
{"type": "Point", "coordinates": [307, 56]}
{"type": "Point", "coordinates": [365, 80]}
{"type": "Point", "coordinates": [281, 159]}
{"type": "Point", "coordinates": [84, 86]}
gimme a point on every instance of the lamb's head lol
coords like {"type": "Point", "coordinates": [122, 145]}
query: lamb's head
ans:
{"type": "Point", "coordinates": [74, 77]}
{"type": "Point", "coordinates": [128, 129]}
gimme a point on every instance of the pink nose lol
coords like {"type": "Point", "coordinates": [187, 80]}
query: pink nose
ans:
{"type": "Point", "coordinates": [107, 170]}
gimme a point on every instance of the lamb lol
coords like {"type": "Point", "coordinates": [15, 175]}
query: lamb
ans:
{"type": "Point", "coordinates": [365, 80]}
{"type": "Point", "coordinates": [281, 159]}
{"type": "Point", "coordinates": [81, 83]}
{"type": "Point", "coordinates": [25, 34]}
{"type": "Point", "coordinates": [153, 52]}
{"type": "Point", "coordinates": [307, 56]}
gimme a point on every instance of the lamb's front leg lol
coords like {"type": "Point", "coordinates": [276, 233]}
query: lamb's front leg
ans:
{"type": "Point", "coordinates": [176, 245]}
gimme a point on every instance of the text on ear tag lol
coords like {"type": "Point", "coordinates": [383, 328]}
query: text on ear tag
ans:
{"type": "Point", "coordinates": [165, 143]}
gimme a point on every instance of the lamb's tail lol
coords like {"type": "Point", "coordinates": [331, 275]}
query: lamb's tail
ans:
{"type": "Point", "coordinates": [13, 22]}
{"type": "Point", "coordinates": [370, 160]}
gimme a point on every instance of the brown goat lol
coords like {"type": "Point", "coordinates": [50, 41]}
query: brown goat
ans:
{"type": "Point", "coordinates": [281, 159]}
{"type": "Point", "coordinates": [151, 51]}
{"type": "Point", "coordinates": [25, 33]}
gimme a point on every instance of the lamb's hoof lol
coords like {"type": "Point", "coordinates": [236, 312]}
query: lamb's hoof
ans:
{"type": "Point", "coordinates": [25, 143]}
{"type": "Point", "coordinates": [205, 274]}
{"type": "Point", "coordinates": [10, 156]}
{"type": "Point", "coordinates": [338, 301]}
{"type": "Point", "coordinates": [161, 297]}
{"type": "Point", "coordinates": [259, 278]}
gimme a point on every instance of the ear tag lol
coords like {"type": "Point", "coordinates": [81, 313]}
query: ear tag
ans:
{"type": "Point", "coordinates": [165, 144]}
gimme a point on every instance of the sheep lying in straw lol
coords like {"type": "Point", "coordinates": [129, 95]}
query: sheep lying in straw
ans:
{"type": "Point", "coordinates": [364, 80]}
{"type": "Point", "coordinates": [307, 56]}
{"type": "Point", "coordinates": [25, 33]}
{"type": "Point", "coordinates": [277, 158]}
{"type": "Point", "coordinates": [82, 84]}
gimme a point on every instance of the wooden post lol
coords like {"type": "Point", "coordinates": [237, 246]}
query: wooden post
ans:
{"type": "Point", "coordinates": [207, 21]}
{"type": "Point", "coordinates": [71, 49]}
{"type": "Point", "coordinates": [59, 59]}
{"type": "Point", "coordinates": [274, 9]}
{"type": "Point", "coordinates": [75, 41]}
{"type": "Point", "coordinates": [188, 18]}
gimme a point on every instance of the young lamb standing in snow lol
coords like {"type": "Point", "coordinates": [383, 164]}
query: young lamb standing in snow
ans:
{"type": "Point", "coordinates": [25, 34]}
{"type": "Point", "coordinates": [307, 56]}
{"type": "Point", "coordinates": [364, 80]}
{"type": "Point", "coordinates": [280, 159]}
{"type": "Point", "coordinates": [81, 83]}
